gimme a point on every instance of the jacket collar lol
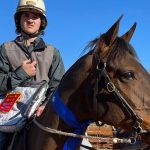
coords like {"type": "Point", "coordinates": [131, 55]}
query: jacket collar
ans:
{"type": "Point", "coordinates": [39, 44]}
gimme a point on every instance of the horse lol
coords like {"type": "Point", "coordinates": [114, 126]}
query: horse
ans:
{"type": "Point", "coordinates": [107, 84]}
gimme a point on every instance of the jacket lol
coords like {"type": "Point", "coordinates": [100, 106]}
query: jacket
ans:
{"type": "Point", "coordinates": [49, 64]}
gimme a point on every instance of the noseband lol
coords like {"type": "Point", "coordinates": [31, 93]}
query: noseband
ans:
{"type": "Point", "coordinates": [111, 88]}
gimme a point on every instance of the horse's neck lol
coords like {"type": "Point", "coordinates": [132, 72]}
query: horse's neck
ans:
{"type": "Point", "coordinates": [68, 90]}
{"type": "Point", "coordinates": [75, 76]}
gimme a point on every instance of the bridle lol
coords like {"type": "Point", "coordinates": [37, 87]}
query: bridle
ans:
{"type": "Point", "coordinates": [111, 88]}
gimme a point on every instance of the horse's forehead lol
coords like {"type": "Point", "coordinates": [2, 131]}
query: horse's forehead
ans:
{"type": "Point", "coordinates": [128, 61]}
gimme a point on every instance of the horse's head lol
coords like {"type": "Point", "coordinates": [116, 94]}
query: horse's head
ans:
{"type": "Point", "coordinates": [123, 85]}
{"type": "Point", "coordinates": [109, 84]}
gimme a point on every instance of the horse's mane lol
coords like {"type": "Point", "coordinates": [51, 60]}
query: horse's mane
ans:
{"type": "Point", "coordinates": [90, 46]}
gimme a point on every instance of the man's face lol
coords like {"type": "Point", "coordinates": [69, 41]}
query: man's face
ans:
{"type": "Point", "coordinates": [30, 22]}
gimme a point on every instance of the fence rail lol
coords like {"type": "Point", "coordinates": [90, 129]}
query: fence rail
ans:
{"type": "Point", "coordinates": [102, 131]}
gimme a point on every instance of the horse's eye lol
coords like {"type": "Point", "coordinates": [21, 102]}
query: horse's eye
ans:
{"type": "Point", "coordinates": [127, 76]}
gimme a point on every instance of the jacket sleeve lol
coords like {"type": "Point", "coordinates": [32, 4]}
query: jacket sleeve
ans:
{"type": "Point", "coordinates": [56, 72]}
{"type": "Point", "coordinates": [9, 79]}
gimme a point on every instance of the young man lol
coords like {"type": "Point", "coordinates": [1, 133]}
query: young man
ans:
{"type": "Point", "coordinates": [27, 60]}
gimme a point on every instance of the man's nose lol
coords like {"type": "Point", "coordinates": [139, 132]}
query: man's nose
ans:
{"type": "Point", "coordinates": [30, 19]}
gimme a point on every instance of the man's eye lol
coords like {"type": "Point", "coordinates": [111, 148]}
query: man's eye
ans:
{"type": "Point", "coordinates": [35, 17]}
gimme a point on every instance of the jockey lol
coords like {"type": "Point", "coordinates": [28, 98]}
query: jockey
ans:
{"type": "Point", "coordinates": [28, 60]}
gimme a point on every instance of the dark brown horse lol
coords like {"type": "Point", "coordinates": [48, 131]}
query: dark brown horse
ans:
{"type": "Point", "coordinates": [108, 84]}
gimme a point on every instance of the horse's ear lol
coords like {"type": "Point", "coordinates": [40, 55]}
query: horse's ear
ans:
{"type": "Point", "coordinates": [112, 33]}
{"type": "Point", "coordinates": [128, 35]}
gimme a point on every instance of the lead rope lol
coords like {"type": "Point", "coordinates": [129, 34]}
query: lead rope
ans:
{"type": "Point", "coordinates": [54, 131]}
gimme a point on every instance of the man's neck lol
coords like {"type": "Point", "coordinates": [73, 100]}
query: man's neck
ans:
{"type": "Point", "coordinates": [28, 39]}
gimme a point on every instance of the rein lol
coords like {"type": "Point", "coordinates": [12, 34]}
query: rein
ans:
{"type": "Point", "coordinates": [111, 88]}
{"type": "Point", "coordinates": [81, 136]}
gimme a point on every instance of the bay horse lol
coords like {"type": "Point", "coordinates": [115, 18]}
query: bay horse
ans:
{"type": "Point", "coordinates": [107, 84]}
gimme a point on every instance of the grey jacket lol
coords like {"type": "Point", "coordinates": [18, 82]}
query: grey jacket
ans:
{"type": "Point", "coordinates": [49, 64]}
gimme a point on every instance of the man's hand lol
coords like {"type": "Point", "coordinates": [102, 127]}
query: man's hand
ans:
{"type": "Point", "coordinates": [29, 67]}
{"type": "Point", "coordinates": [39, 111]}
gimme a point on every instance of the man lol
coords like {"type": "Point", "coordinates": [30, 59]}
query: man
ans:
{"type": "Point", "coordinates": [27, 60]}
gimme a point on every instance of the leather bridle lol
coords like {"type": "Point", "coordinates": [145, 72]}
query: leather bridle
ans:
{"type": "Point", "coordinates": [111, 88]}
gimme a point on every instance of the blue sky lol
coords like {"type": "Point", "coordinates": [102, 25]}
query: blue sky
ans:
{"type": "Point", "coordinates": [73, 23]}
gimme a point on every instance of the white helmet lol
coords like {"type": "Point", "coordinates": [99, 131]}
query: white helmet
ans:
{"type": "Point", "coordinates": [37, 6]}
